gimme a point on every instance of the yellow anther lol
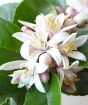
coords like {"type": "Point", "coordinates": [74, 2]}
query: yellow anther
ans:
{"type": "Point", "coordinates": [69, 47]}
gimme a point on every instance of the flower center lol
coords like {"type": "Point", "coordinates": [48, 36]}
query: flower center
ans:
{"type": "Point", "coordinates": [53, 24]}
{"type": "Point", "coordinates": [69, 47]}
{"type": "Point", "coordinates": [70, 80]}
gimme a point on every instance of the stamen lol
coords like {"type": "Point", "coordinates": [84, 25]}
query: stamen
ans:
{"type": "Point", "coordinates": [69, 47]}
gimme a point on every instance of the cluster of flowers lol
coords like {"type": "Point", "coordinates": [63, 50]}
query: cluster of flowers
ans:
{"type": "Point", "coordinates": [48, 46]}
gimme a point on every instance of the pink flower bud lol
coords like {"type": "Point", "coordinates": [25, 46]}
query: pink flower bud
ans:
{"type": "Point", "coordinates": [46, 59]}
{"type": "Point", "coordinates": [45, 77]}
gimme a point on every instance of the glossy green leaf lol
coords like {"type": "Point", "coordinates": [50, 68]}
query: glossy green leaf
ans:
{"type": "Point", "coordinates": [51, 97]}
{"type": "Point", "coordinates": [82, 85]}
{"type": "Point", "coordinates": [29, 9]}
{"type": "Point", "coordinates": [9, 46]}
{"type": "Point", "coordinates": [9, 90]}
{"type": "Point", "coordinates": [61, 3]}
{"type": "Point", "coordinates": [7, 11]}
{"type": "Point", "coordinates": [84, 48]}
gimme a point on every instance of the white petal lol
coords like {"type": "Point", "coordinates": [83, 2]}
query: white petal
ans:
{"type": "Point", "coordinates": [28, 24]}
{"type": "Point", "coordinates": [38, 83]}
{"type": "Point", "coordinates": [59, 37]}
{"type": "Point", "coordinates": [77, 55]}
{"type": "Point", "coordinates": [65, 61]}
{"type": "Point", "coordinates": [31, 82]}
{"type": "Point", "coordinates": [60, 18]}
{"type": "Point", "coordinates": [68, 27]}
{"type": "Point", "coordinates": [21, 36]}
{"type": "Point", "coordinates": [12, 65]}
{"type": "Point", "coordinates": [76, 4]}
{"type": "Point", "coordinates": [55, 55]}
{"type": "Point", "coordinates": [41, 68]}
{"type": "Point", "coordinates": [25, 48]}
{"type": "Point", "coordinates": [40, 21]}
{"type": "Point", "coordinates": [74, 64]}
{"type": "Point", "coordinates": [81, 40]}
{"type": "Point", "coordinates": [70, 38]}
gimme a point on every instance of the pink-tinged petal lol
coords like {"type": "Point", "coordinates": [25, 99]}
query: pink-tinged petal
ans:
{"type": "Point", "coordinates": [82, 17]}
{"type": "Point", "coordinates": [57, 38]}
{"type": "Point", "coordinates": [70, 38]}
{"type": "Point", "coordinates": [54, 52]}
{"type": "Point", "coordinates": [60, 19]}
{"type": "Point", "coordinates": [81, 40]}
{"type": "Point", "coordinates": [76, 4]}
{"type": "Point", "coordinates": [26, 49]}
{"type": "Point", "coordinates": [12, 65]}
{"type": "Point", "coordinates": [60, 73]}
{"type": "Point", "coordinates": [65, 61]}
{"type": "Point", "coordinates": [71, 11]}
{"type": "Point", "coordinates": [21, 36]}
{"type": "Point", "coordinates": [38, 83]}
{"type": "Point", "coordinates": [86, 3]}
{"type": "Point", "coordinates": [77, 55]}
{"type": "Point", "coordinates": [41, 68]}
{"type": "Point", "coordinates": [16, 77]}
{"type": "Point", "coordinates": [68, 27]}
{"type": "Point", "coordinates": [28, 24]}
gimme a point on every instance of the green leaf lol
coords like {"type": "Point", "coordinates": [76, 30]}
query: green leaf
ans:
{"type": "Point", "coordinates": [29, 9]}
{"type": "Point", "coordinates": [61, 3]}
{"type": "Point", "coordinates": [7, 11]}
{"type": "Point", "coordinates": [82, 85]}
{"type": "Point", "coordinates": [9, 90]}
{"type": "Point", "coordinates": [84, 48]}
{"type": "Point", "coordinates": [51, 97]}
{"type": "Point", "coordinates": [9, 46]}
{"type": "Point", "coordinates": [9, 101]}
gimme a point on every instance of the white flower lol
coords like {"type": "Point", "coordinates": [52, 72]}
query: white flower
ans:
{"type": "Point", "coordinates": [68, 76]}
{"type": "Point", "coordinates": [68, 48]}
{"type": "Point", "coordinates": [79, 9]}
{"type": "Point", "coordinates": [38, 44]}
{"type": "Point", "coordinates": [27, 73]}
{"type": "Point", "coordinates": [53, 24]}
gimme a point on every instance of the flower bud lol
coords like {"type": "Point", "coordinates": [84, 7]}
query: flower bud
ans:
{"type": "Point", "coordinates": [71, 12]}
{"type": "Point", "coordinates": [45, 77]}
{"type": "Point", "coordinates": [82, 17]}
{"type": "Point", "coordinates": [46, 59]}
{"type": "Point", "coordinates": [69, 22]}
{"type": "Point", "coordinates": [70, 88]}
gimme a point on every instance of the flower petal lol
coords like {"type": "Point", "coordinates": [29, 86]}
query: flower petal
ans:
{"type": "Point", "coordinates": [12, 65]}
{"type": "Point", "coordinates": [74, 64]}
{"type": "Point", "coordinates": [60, 73]}
{"type": "Point", "coordinates": [26, 49]}
{"type": "Point", "coordinates": [70, 38]}
{"type": "Point", "coordinates": [21, 36]}
{"type": "Point", "coordinates": [28, 24]}
{"type": "Point", "coordinates": [81, 40]}
{"type": "Point", "coordinates": [38, 83]}
{"type": "Point", "coordinates": [77, 55]}
{"type": "Point", "coordinates": [76, 4]}
{"type": "Point", "coordinates": [54, 52]}
{"type": "Point", "coordinates": [65, 61]}
{"type": "Point", "coordinates": [41, 68]}
{"type": "Point", "coordinates": [68, 27]}
{"type": "Point", "coordinates": [57, 38]}
{"type": "Point", "coordinates": [60, 18]}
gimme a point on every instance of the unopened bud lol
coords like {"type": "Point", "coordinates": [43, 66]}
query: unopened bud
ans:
{"type": "Point", "coordinates": [82, 17]}
{"type": "Point", "coordinates": [46, 59]}
{"type": "Point", "coordinates": [45, 77]}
